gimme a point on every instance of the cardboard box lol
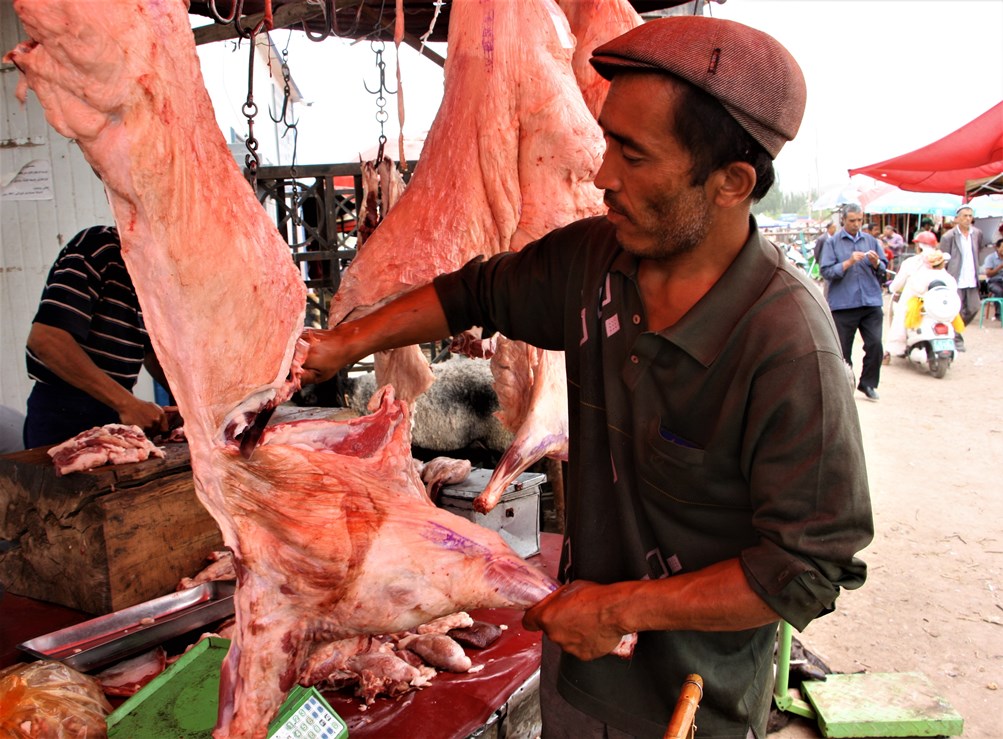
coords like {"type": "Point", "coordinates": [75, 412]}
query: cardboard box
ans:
{"type": "Point", "coordinates": [517, 515]}
{"type": "Point", "coordinates": [104, 539]}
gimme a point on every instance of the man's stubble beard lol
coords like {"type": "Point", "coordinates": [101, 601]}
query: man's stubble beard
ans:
{"type": "Point", "coordinates": [683, 222]}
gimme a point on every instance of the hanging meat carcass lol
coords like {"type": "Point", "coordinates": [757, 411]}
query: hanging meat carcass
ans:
{"type": "Point", "coordinates": [593, 23]}
{"type": "Point", "coordinates": [511, 155]}
{"type": "Point", "coordinates": [331, 531]}
{"type": "Point", "coordinates": [531, 384]}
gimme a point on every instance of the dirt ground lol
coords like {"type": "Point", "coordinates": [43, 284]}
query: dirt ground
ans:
{"type": "Point", "coordinates": [932, 599]}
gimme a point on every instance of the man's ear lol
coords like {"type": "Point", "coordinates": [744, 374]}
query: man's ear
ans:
{"type": "Point", "coordinates": [731, 185]}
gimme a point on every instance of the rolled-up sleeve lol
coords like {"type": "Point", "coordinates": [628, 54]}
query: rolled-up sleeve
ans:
{"type": "Point", "coordinates": [809, 489]}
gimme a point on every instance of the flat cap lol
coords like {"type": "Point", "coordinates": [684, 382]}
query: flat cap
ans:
{"type": "Point", "coordinates": [747, 71]}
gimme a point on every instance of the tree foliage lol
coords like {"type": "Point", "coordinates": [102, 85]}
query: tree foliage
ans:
{"type": "Point", "coordinates": [778, 202]}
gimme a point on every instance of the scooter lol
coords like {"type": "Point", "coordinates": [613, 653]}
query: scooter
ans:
{"type": "Point", "coordinates": [932, 342]}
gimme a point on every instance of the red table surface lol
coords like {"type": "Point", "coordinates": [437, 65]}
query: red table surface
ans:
{"type": "Point", "coordinates": [453, 705]}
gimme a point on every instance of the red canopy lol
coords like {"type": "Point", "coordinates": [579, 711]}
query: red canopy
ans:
{"type": "Point", "coordinates": [973, 151]}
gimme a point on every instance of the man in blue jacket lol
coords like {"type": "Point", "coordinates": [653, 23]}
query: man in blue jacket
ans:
{"type": "Point", "coordinates": [854, 265]}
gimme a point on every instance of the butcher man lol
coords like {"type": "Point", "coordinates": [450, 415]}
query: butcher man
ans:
{"type": "Point", "coordinates": [717, 481]}
{"type": "Point", "coordinates": [87, 344]}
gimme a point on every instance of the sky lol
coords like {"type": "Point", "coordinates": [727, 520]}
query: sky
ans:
{"type": "Point", "coordinates": [884, 77]}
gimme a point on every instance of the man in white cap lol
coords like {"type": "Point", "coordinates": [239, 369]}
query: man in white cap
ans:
{"type": "Point", "coordinates": [963, 243]}
{"type": "Point", "coordinates": [716, 471]}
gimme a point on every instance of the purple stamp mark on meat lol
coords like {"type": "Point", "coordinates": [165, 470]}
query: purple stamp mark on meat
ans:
{"type": "Point", "coordinates": [488, 38]}
{"type": "Point", "coordinates": [445, 537]}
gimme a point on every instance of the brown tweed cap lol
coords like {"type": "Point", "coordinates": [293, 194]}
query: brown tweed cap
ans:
{"type": "Point", "coordinates": [747, 71]}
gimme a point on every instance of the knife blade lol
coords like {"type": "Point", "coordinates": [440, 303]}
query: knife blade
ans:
{"type": "Point", "coordinates": [252, 434]}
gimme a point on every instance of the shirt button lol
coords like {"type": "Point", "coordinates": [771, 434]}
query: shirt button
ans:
{"type": "Point", "coordinates": [634, 359]}
{"type": "Point", "coordinates": [636, 319]}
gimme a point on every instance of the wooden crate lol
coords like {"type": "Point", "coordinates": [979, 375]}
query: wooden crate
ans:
{"type": "Point", "coordinates": [104, 539]}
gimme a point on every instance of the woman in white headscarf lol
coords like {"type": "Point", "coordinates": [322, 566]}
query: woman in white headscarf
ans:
{"type": "Point", "coordinates": [930, 273]}
{"type": "Point", "coordinates": [911, 281]}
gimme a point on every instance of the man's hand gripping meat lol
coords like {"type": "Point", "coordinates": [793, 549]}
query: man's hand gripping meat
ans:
{"type": "Point", "coordinates": [414, 318]}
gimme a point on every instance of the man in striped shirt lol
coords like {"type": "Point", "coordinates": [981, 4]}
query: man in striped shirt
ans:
{"type": "Point", "coordinates": [87, 344]}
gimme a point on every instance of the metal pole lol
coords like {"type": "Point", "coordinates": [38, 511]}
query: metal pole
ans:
{"type": "Point", "coordinates": [781, 692]}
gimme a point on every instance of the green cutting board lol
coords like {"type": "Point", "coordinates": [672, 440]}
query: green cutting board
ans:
{"type": "Point", "coordinates": [881, 704]}
{"type": "Point", "coordinates": [182, 701]}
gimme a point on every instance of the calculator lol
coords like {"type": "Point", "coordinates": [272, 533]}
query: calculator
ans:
{"type": "Point", "coordinates": [306, 715]}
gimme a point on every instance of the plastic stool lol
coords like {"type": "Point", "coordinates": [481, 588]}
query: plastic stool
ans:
{"type": "Point", "coordinates": [986, 302]}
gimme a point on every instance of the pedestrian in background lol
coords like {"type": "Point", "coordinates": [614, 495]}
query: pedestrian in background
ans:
{"type": "Point", "coordinates": [924, 225]}
{"type": "Point", "coordinates": [830, 229]}
{"type": "Point", "coordinates": [854, 265]}
{"type": "Point", "coordinates": [894, 243]}
{"type": "Point", "coordinates": [993, 267]}
{"type": "Point", "coordinates": [963, 243]}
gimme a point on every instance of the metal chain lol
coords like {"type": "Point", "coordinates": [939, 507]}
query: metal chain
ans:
{"type": "Point", "coordinates": [382, 116]}
{"type": "Point", "coordinates": [250, 110]}
{"type": "Point", "coordinates": [286, 119]}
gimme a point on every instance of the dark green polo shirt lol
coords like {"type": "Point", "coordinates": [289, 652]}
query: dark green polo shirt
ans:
{"type": "Point", "coordinates": [732, 433]}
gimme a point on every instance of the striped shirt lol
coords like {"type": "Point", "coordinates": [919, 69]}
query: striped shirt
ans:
{"type": "Point", "coordinates": [90, 295]}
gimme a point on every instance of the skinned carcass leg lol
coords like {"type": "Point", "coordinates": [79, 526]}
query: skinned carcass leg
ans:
{"type": "Point", "coordinates": [593, 23]}
{"type": "Point", "coordinates": [539, 421]}
{"type": "Point", "coordinates": [511, 155]}
{"type": "Point", "coordinates": [520, 148]}
{"type": "Point", "coordinates": [532, 388]}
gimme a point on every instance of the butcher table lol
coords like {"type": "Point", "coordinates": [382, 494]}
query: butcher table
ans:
{"type": "Point", "coordinates": [500, 700]}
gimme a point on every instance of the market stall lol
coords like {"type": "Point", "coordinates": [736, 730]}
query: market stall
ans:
{"type": "Point", "coordinates": [333, 535]}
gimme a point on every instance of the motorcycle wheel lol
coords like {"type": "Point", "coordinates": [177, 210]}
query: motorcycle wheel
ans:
{"type": "Point", "coordinates": [938, 367]}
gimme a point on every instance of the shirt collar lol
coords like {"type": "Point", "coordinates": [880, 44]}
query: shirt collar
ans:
{"type": "Point", "coordinates": [704, 331]}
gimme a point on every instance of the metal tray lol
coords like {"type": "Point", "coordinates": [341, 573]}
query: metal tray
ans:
{"type": "Point", "coordinates": [112, 637]}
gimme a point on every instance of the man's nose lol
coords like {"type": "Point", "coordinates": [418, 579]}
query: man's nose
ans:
{"type": "Point", "coordinates": [605, 177]}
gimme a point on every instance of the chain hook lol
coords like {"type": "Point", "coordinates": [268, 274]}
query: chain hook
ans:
{"type": "Point", "coordinates": [378, 46]}
{"type": "Point", "coordinates": [382, 116]}
{"type": "Point", "coordinates": [235, 11]}
{"type": "Point", "coordinates": [285, 117]}
{"type": "Point", "coordinates": [330, 22]}
{"type": "Point", "coordinates": [250, 110]}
